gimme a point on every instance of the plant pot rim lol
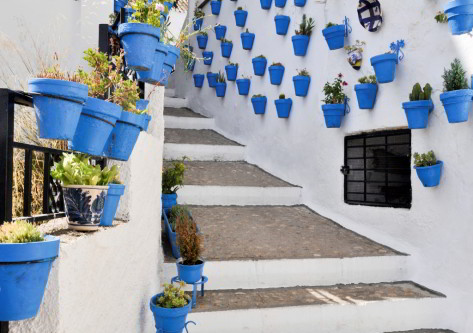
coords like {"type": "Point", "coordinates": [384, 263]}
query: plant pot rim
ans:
{"type": "Point", "coordinates": [331, 30]}
{"type": "Point", "coordinates": [417, 104]}
{"type": "Point", "coordinates": [174, 312]}
{"type": "Point", "coordinates": [92, 187]}
{"type": "Point", "coordinates": [247, 34]}
{"type": "Point", "coordinates": [33, 251]}
{"type": "Point", "coordinates": [220, 26]}
{"type": "Point", "coordinates": [138, 28]}
{"type": "Point", "coordinates": [226, 44]}
{"type": "Point", "coordinates": [259, 98]}
{"type": "Point", "coordinates": [283, 101]}
{"type": "Point", "coordinates": [456, 93]}
{"type": "Point", "coordinates": [384, 57]}
{"type": "Point", "coordinates": [278, 67]}
{"type": "Point", "coordinates": [211, 74]}
{"type": "Point", "coordinates": [78, 85]}
{"type": "Point", "coordinates": [231, 66]}
{"type": "Point", "coordinates": [94, 106]}
{"type": "Point", "coordinates": [180, 260]}
{"type": "Point", "coordinates": [438, 164]}
{"type": "Point", "coordinates": [295, 37]}
{"type": "Point", "coordinates": [365, 86]}
{"type": "Point", "coordinates": [301, 78]}
{"type": "Point", "coordinates": [331, 107]}
{"type": "Point", "coordinates": [456, 3]}
{"type": "Point", "coordinates": [243, 80]}
{"type": "Point", "coordinates": [198, 75]}
{"type": "Point", "coordinates": [282, 17]}
{"type": "Point", "coordinates": [209, 53]}
{"type": "Point", "coordinates": [133, 119]}
{"type": "Point", "coordinates": [240, 11]}
{"type": "Point", "coordinates": [259, 59]}
{"type": "Point", "coordinates": [221, 83]}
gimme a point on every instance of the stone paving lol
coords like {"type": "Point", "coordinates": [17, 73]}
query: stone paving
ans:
{"type": "Point", "coordinates": [196, 137]}
{"type": "Point", "coordinates": [182, 112]}
{"type": "Point", "coordinates": [224, 300]}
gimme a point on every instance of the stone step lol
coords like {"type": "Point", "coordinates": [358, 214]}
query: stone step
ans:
{"type": "Point", "coordinates": [186, 119]}
{"type": "Point", "coordinates": [277, 246]}
{"type": "Point", "coordinates": [355, 308]}
{"type": "Point", "coordinates": [200, 145]}
{"type": "Point", "coordinates": [425, 330]}
{"type": "Point", "coordinates": [234, 183]}
{"type": "Point", "coordinates": [175, 102]}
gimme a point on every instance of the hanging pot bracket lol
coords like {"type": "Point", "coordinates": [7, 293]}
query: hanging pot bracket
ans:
{"type": "Point", "coordinates": [396, 48]}
{"type": "Point", "coordinates": [347, 106]}
{"type": "Point", "coordinates": [346, 23]}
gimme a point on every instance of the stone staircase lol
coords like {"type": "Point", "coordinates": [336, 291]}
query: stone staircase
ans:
{"type": "Point", "coordinates": [274, 265]}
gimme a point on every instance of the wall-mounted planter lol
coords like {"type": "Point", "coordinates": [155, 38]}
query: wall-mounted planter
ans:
{"type": "Point", "coordinates": [300, 44]}
{"type": "Point", "coordinates": [139, 42]}
{"type": "Point", "coordinates": [198, 80]}
{"type": "Point", "coordinates": [202, 41]}
{"type": "Point", "coordinates": [169, 320]}
{"type": "Point", "coordinates": [198, 24]}
{"type": "Point", "coordinates": [208, 57]}
{"type": "Point", "coordinates": [385, 67]}
{"type": "Point", "coordinates": [57, 118]}
{"type": "Point", "coordinates": [226, 49]}
{"type": "Point", "coordinates": [232, 72]}
{"type": "Point", "coordinates": [366, 95]}
{"type": "Point", "coordinates": [243, 86]}
{"type": "Point", "coordinates": [266, 4]}
{"type": "Point", "coordinates": [220, 32]}
{"type": "Point", "coordinates": [152, 76]}
{"type": "Point", "coordinates": [301, 85]}
{"type": "Point", "coordinates": [300, 3]}
{"type": "Point", "coordinates": [24, 272]}
{"type": "Point", "coordinates": [191, 65]}
{"type": "Point", "coordinates": [115, 191]}
{"type": "Point", "coordinates": [333, 114]}
{"type": "Point", "coordinates": [282, 24]}
{"type": "Point", "coordinates": [283, 107]}
{"type": "Point", "coordinates": [430, 175]}
{"type": "Point", "coordinates": [276, 74]}
{"type": "Point", "coordinates": [240, 17]}
{"type": "Point", "coordinates": [259, 65]}
{"type": "Point", "coordinates": [212, 79]}
{"type": "Point", "coordinates": [417, 113]}
{"type": "Point", "coordinates": [215, 6]}
{"type": "Point", "coordinates": [220, 89]}
{"type": "Point", "coordinates": [172, 235]}
{"type": "Point", "coordinates": [457, 104]}
{"type": "Point", "coordinates": [247, 40]}
{"type": "Point", "coordinates": [460, 16]}
{"type": "Point", "coordinates": [168, 201]}
{"type": "Point", "coordinates": [335, 36]}
{"type": "Point", "coordinates": [259, 104]}
{"type": "Point", "coordinates": [280, 3]}
{"type": "Point", "coordinates": [169, 62]}
{"type": "Point", "coordinates": [190, 273]}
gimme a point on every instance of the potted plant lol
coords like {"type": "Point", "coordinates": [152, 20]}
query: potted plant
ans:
{"type": "Point", "coordinates": [283, 106]}
{"type": "Point", "coordinates": [170, 308]}
{"type": "Point", "coordinates": [202, 40]}
{"type": "Point", "coordinates": [280, 3]}
{"type": "Point", "coordinates": [212, 79]}
{"type": "Point", "coordinates": [300, 41]}
{"type": "Point", "coordinates": [428, 168]}
{"type": "Point", "coordinates": [220, 31]}
{"type": "Point", "coordinates": [300, 3]}
{"type": "Point", "coordinates": [215, 6]}
{"type": "Point", "coordinates": [198, 80]}
{"type": "Point", "coordinates": [335, 101]}
{"type": "Point", "coordinates": [26, 258]}
{"type": "Point", "coordinates": [419, 106]}
{"type": "Point", "coordinates": [153, 75]}
{"type": "Point", "coordinates": [334, 35]}
{"type": "Point", "coordinates": [170, 219]}
{"type": "Point", "coordinates": [226, 46]}
{"type": "Point", "coordinates": [115, 190]}
{"type": "Point", "coordinates": [276, 73]}
{"type": "Point", "coordinates": [460, 16]}
{"type": "Point", "coordinates": [140, 37]}
{"type": "Point", "coordinates": [247, 40]}
{"type": "Point", "coordinates": [190, 266]}
{"type": "Point", "coordinates": [240, 17]}
{"type": "Point", "coordinates": [259, 103]}
{"type": "Point", "coordinates": [188, 58]}
{"type": "Point", "coordinates": [243, 85]}
{"type": "Point", "coordinates": [232, 71]}
{"type": "Point", "coordinates": [385, 64]}
{"type": "Point", "coordinates": [457, 97]}
{"type": "Point", "coordinates": [169, 62]}
{"type": "Point", "coordinates": [173, 178]}
{"type": "Point", "coordinates": [85, 187]}
{"type": "Point", "coordinates": [221, 85]}
{"type": "Point", "coordinates": [58, 99]}
{"type": "Point", "coordinates": [198, 18]}
{"type": "Point", "coordinates": [266, 4]}
{"type": "Point", "coordinates": [366, 92]}
{"type": "Point", "coordinates": [282, 24]}
{"type": "Point", "coordinates": [259, 65]}
{"type": "Point", "coordinates": [301, 82]}
{"type": "Point", "coordinates": [208, 57]}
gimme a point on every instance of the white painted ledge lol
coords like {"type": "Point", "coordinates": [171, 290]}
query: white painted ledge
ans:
{"type": "Point", "coordinates": [173, 102]}
{"type": "Point", "coordinates": [189, 123]}
{"type": "Point", "coordinates": [170, 92]}
{"type": "Point", "coordinates": [175, 151]}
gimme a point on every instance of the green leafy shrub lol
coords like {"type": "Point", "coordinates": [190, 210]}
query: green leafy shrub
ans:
{"type": "Point", "coordinates": [177, 211]}
{"type": "Point", "coordinates": [282, 96]}
{"type": "Point", "coordinates": [423, 160]}
{"type": "Point", "coordinates": [303, 72]}
{"type": "Point", "coordinates": [257, 96]}
{"type": "Point", "coordinates": [306, 27]}
{"type": "Point", "coordinates": [146, 13]}
{"type": "Point", "coordinates": [334, 91]}
{"type": "Point", "coordinates": [441, 17]}
{"type": "Point", "coordinates": [368, 79]}
{"type": "Point", "coordinates": [220, 77]}
{"type": "Point", "coordinates": [420, 95]}
{"type": "Point", "coordinates": [329, 25]}
{"type": "Point", "coordinates": [188, 239]}
{"type": "Point", "coordinates": [223, 40]}
{"type": "Point", "coordinates": [455, 77]}
{"type": "Point", "coordinates": [173, 177]}
{"type": "Point", "coordinates": [174, 297]}
{"type": "Point", "coordinates": [19, 232]}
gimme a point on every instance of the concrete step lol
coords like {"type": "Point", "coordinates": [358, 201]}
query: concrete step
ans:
{"type": "Point", "coordinates": [234, 183]}
{"type": "Point", "coordinates": [200, 145]}
{"type": "Point", "coordinates": [175, 102]}
{"type": "Point", "coordinates": [355, 308]}
{"type": "Point", "coordinates": [277, 246]}
{"type": "Point", "coordinates": [186, 119]}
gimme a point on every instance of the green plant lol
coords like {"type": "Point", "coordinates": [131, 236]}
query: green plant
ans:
{"type": "Point", "coordinates": [233, 64]}
{"type": "Point", "coordinates": [247, 31]}
{"type": "Point", "coordinates": [424, 160]}
{"type": "Point", "coordinates": [220, 77]}
{"type": "Point", "coordinates": [174, 296]}
{"type": "Point", "coordinates": [75, 169]}
{"type": "Point", "coordinates": [420, 95]}
{"type": "Point", "coordinates": [261, 56]}
{"type": "Point", "coordinates": [455, 77]}
{"type": "Point", "coordinates": [306, 27]}
{"type": "Point", "coordinates": [198, 12]}
{"type": "Point", "coordinates": [358, 46]}
{"type": "Point", "coordinates": [175, 212]}
{"type": "Point", "coordinates": [55, 72]}
{"type": "Point", "coordinates": [188, 240]}
{"type": "Point", "coordinates": [145, 12]}
{"type": "Point", "coordinates": [276, 64]}
{"type": "Point", "coordinates": [203, 33]}
{"type": "Point", "coordinates": [240, 8]}
{"type": "Point", "coordinates": [330, 24]}
{"type": "Point", "coordinates": [368, 79]}
{"type": "Point", "coordinates": [282, 96]}
{"type": "Point", "coordinates": [334, 91]}
{"type": "Point", "coordinates": [441, 17]}
{"type": "Point", "coordinates": [257, 96]}
{"type": "Point", "coordinates": [173, 177]}
{"type": "Point", "coordinates": [303, 72]}
{"type": "Point", "coordinates": [223, 40]}
{"type": "Point", "coordinates": [19, 232]}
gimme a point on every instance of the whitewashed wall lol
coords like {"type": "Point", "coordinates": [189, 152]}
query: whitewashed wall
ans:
{"type": "Point", "coordinates": [438, 227]}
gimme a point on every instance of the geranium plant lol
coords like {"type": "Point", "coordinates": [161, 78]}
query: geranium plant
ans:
{"type": "Point", "coordinates": [334, 93]}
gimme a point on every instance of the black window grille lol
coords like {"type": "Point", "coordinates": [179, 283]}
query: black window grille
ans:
{"type": "Point", "coordinates": [378, 169]}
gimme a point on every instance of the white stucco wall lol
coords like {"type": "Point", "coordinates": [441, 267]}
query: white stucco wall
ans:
{"type": "Point", "coordinates": [438, 227]}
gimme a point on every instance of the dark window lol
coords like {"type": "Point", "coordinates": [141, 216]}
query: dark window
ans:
{"type": "Point", "coordinates": [378, 169]}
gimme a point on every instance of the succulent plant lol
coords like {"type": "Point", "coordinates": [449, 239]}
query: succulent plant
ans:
{"type": "Point", "coordinates": [19, 232]}
{"type": "Point", "coordinates": [423, 160]}
{"type": "Point", "coordinates": [420, 95]}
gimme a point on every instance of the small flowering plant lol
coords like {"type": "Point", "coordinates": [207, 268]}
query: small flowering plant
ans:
{"type": "Point", "coordinates": [334, 93]}
{"type": "Point", "coordinates": [149, 13]}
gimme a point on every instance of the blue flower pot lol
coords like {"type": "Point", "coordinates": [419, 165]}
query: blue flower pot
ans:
{"type": "Point", "coordinates": [152, 76]}
{"type": "Point", "coordinates": [240, 17]}
{"type": "Point", "coordinates": [301, 85]}
{"type": "Point", "coordinates": [232, 72]}
{"type": "Point", "coordinates": [202, 41]}
{"type": "Point", "coordinates": [243, 86]}
{"type": "Point", "coordinates": [282, 24]}
{"type": "Point", "coordinates": [333, 114]}
{"type": "Point", "coordinates": [142, 104]}
{"type": "Point", "coordinates": [417, 113]}
{"type": "Point", "coordinates": [226, 49]}
{"type": "Point", "coordinates": [430, 175]}
{"type": "Point", "coordinates": [169, 62]}
{"type": "Point", "coordinates": [212, 79]}
{"type": "Point", "coordinates": [276, 74]}
{"type": "Point", "coordinates": [280, 3]}
{"type": "Point", "coordinates": [266, 4]}
{"type": "Point", "coordinates": [198, 80]}
{"type": "Point", "coordinates": [121, 142]}
{"type": "Point", "coordinates": [385, 67]}
{"type": "Point", "coordinates": [169, 5]}
{"type": "Point", "coordinates": [283, 107]}
{"type": "Point", "coordinates": [220, 31]}
{"type": "Point", "coordinates": [24, 272]}
{"type": "Point", "coordinates": [198, 24]}
{"type": "Point", "coordinates": [259, 66]}
{"type": "Point", "coordinates": [300, 44]}
{"type": "Point", "coordinates": [247, 40]}
{"type": "Point", "coordinates": [215, 6]}
{"type": "Point", "coordinates": [128, 14]}
{"type": "Point", "coordinates": [168, 201]}
{"type": "Point", "coordinates": [457, 104]}
{"type": "Point", "coordinates": [139, 41]}
{"type": "Point", "coordinates": [208, 57]}
{"type": "Point", "coordinates": [191, 65]}
{"type": "Point", "coordinates": [300, 3]}
{"type": "Point", "coordinates": [220, 89]}
{"type": "Point", "coordinates": [165, 75]}
{"type": "Point", "coordinates": [96, 122]}
{"type": "Point", "coordinates": [259, 104]}
{"type": "Point", "coordinates": [366, 95]}
{"type": "Point", "coordinates": [119, 4]}
{"type": "Point", "coordinates": [169, 320]}
{"type": "Point", "coordinates": [190, 273]}
{"type": "Point", "coordinates": [460, 16]}
{"type": "Point", "coordinates": [172, 235]}
{"type": "Point", "coordinates": [115, 191]}
{"type": "Point", "coordinates": [57, 118]}
{"type": "Point", "coordinates": [335, 36]}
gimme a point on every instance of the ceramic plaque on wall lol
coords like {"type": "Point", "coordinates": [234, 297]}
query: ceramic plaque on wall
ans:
{"type": "Point", "coordinates": [370, 14]}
